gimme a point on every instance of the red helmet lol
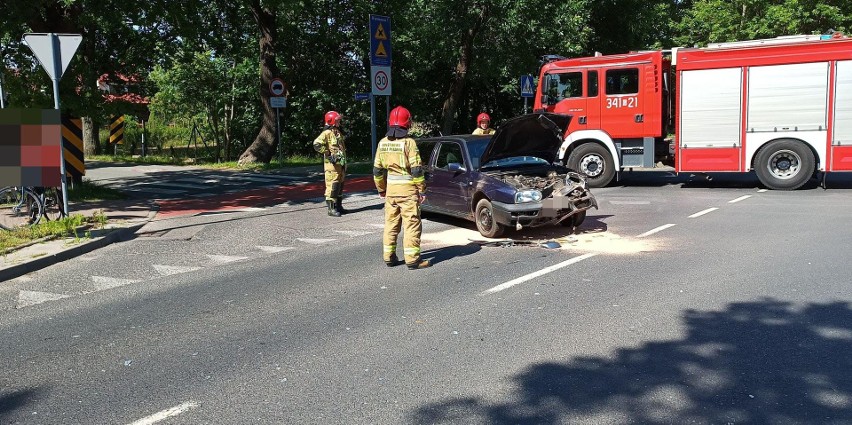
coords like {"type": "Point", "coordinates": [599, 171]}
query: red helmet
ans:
{"type": "Point", "coordinates": [399, 117]}
{"type": "Point", "coordinates": [483, 117]}
{"type": "Point", "coordinates": [332, 118]}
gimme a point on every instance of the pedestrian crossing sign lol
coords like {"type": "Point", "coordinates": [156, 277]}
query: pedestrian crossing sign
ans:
{"type": "Point", "coordinates": [527, 86]}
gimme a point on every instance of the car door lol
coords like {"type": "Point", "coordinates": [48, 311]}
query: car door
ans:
{"type": "Point", "coordinates": [448, 189]}
{"type": "Point", "coordinates": [426, 149]}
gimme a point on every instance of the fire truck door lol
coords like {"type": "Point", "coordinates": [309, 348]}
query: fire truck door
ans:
{"type": "Point", "coordinates": [623, 104]}
{"type": "Point", "coordinates": [564, 91]}
{"type": "Point", "coordinates": [841, 140]}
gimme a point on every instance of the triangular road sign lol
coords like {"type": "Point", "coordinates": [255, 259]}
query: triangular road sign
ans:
{"type": "Point", "coordinates": [42, 47]}
{"type": "Point", "coordinates": [380, 51]}
{"type": "Point", "coordinates": [380, 33]}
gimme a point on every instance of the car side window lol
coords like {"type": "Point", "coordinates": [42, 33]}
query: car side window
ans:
{"type": "Point", "coordinates": [449, 153]}
{"type": "Point", "coordinates": [425, 149]}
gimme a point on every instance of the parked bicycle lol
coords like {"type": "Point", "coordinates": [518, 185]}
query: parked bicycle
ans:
{"type": "Point", "coordinates": [26, 206]}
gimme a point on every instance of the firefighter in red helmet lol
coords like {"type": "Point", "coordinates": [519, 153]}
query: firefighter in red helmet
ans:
{"type": "Point", "coordinates": [330, 144]}
{"type": "Point", "coordinates": [398, 174]}
{"type": "Point", "coordinates": [483, 123]}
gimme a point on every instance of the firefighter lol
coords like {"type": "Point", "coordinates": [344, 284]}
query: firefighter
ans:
{"type": "Point", "coordinates": [398, 173]}
{"type": "Point", "coordinates": [483, 122]}
{"type": "Point", "coordinates": [330, 145]}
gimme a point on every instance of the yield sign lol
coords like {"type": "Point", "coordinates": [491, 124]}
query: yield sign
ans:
{"type": "Point", "coordinates": [54, 62]}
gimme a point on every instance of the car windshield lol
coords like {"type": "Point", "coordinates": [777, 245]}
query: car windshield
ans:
{"type": "Point", "coordinates": [476, 148]}
{"type": "Point", "coordinates": [514, 162]}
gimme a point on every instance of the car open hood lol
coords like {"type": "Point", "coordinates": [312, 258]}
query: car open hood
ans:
{"type": "Point", "coordinates": [538, 135]}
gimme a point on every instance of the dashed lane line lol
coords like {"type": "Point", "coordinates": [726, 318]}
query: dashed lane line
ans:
{"type": "Point", "coordinates": [700, 213]}
{"type": "Point", "coordinates": [274, 249]}
{"type": "Point", "coordinates": [658, 229]}
{"type": "Point", "coordinates": [224, 259]}
{"type": "Point", "coordinates": [761, 190]}
{"type": "Point", "coordinates": [102, 283]}
{"type": "Point", "coordinates": [165, 414]}
{"type": "Point", "coordinates": [741, 198]}
{"type": "Point", "coordinates": [29, 298]}
{"type": "Point", "coordinates": [534, 275]}
{"type": "Point", "coordinates": [171, 270]}
{"type": "Point", "coordinates": [315, 241]}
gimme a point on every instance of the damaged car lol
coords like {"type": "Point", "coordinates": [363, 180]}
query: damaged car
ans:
{"type": "Point", "coordinates": [509, 179]}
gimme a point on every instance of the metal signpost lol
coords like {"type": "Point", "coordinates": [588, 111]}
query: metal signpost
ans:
{"type": "Point", "coordinates": [278, 101]}
{"type": "Point", "coordinates": [527, 89]}
{"type": "Point", "coordinates": [54, 52]}
{"type": "Point", "coordinates": [380, 67]}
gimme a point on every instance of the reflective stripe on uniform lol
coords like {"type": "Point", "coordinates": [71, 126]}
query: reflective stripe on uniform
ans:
{"type": "Point", "coordinates": [412, 251]}
{"type": "Point", "coordinates": [389, 248]}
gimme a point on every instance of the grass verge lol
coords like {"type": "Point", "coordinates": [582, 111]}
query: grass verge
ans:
{"type": "Point", "coordinates": [11, 239]}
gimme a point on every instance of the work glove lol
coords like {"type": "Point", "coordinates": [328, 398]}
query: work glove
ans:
{"type": "Point", "coordinates": [332, 158]}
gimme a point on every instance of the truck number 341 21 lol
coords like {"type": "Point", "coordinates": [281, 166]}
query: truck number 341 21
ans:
{"type": "Point", "coordinates": [622, 102]}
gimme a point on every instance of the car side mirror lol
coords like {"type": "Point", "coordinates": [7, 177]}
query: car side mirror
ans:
{"type": "Point", "coordinates": [455, 167]}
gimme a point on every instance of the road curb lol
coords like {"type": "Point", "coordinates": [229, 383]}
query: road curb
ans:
{"type": "Point", "coordinates": [116, 235]}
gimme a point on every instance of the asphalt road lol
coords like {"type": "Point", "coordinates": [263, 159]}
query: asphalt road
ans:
{"type": "Point", "coordinates": [677, 302]}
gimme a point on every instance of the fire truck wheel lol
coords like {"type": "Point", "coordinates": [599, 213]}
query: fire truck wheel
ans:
{"type": "Point", "coordinates": [594, 162]}
{"type": "Point", "coordinates": [785, 164]}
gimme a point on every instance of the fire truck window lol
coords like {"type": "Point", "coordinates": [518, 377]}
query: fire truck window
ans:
{"type": "Point", "coordinates": [593, 84]}
{"type": "Point", "coordinates": [622, 81]}
{"type": "Point", "coordinates": [565, 85]}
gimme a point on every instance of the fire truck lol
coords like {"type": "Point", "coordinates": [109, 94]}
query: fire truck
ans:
{"type": "Point", "coordinates": [781, 107]}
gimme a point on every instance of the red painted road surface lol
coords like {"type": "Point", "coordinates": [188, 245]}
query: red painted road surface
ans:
{"type": "Point", "coordinates": [256, 198]}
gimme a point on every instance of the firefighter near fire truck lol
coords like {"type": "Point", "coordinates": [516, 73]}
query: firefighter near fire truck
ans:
{"type": "Point", "coordinates": [398, 174]}
{"type": "Point", "coordinates": [483, 125]}
{"type": "Point", "coordinates": [780, 107]}
{"type": "Point", "coordinates": [331, 145]}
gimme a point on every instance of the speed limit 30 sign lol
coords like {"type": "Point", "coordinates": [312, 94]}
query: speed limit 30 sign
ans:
{"type": "Point", "coordinates": [381, 78]}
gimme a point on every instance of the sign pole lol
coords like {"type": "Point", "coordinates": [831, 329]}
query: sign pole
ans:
{"type": "Point", "coordinates": [57, 73]}
{"type": "Point", "coordinates": [278, 134]}
{"type": "Point", "coordinates": [143, 138]}
{"type": "Point", "coordinates": [373, 125]}
{"type": "Point", "coordinates": [525, 104]}
{"type": "Point", "coordinates": [2, 93]}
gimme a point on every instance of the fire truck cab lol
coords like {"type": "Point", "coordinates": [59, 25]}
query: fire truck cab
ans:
{"type": "Point", "coordinates": [781, 107]}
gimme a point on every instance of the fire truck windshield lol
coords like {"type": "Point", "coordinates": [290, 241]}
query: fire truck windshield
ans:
{"type": "Point", "coordinates": [563, 86]}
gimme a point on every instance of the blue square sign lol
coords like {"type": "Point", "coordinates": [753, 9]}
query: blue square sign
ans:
{"type": "Point", "coordinates": [527, 86]}
{"type": "Point", "coordinates": [380, 40]}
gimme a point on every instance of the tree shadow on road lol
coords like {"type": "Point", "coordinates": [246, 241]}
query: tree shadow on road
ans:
{"type": "Point", "coordinates": [760, 362]}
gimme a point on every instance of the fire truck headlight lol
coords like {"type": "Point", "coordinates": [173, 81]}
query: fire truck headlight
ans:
{"type": "Point", "coordinates": [525, 196]}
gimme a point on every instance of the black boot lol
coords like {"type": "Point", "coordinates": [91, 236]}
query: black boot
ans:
{"type": "Point", "coordinates": [331, 210]}
{"type": "Point", "coordinates": [338, 205]}
{"type": "Point", "coordinates": [393, 261]}
{"type": "Point", "coordinates": [419, 265]}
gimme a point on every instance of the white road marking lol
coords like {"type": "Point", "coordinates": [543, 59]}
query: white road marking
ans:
{"type": "Point", "coordinates": [700, 213]}
{"type": "Point", "coordinates": [274, 249]}
{"type": "Point", "coordinates": [315, 241]}
{"type": "Point", "coordinates": [534, 275]}
{"type": "Point", "coordinates": [28, 298]}
{"type": "Point", "coordinates": [761, 190]}
{"type": "Point", "coordinates": [103, 282]}
{"type": "Point", "coordinates": [353, 233]}
{"type": "Point", "coordinates": [165, 414]}
{"type": "Point", "coordinates": [170, 270]}
{"type": "Point", "coordinates": [741, 198]}
{"type": "Point", "coordinates": [223, 259]}
{"type": "Point", "coordinates": [630, 202]}
{"type": "Point", "coordinates": [658, 229]}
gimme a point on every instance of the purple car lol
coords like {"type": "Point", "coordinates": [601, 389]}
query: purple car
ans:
{"type": "Point", "coordinates": [505, 180]}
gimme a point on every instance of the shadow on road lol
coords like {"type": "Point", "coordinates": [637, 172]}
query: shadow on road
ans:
{"type": "Point", "coordinates": [15, 400]}
{"type": "Point", "coordinates": [438, 255]}
{"type": "Point", "coordinates": [758, 362]}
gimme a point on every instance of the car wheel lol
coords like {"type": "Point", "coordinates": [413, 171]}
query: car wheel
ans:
{"type": "Point", "coordinates": [574, 221]}
{"type": "Point", "coordinates": [594, 163]}
{"type": "Point", "coordinates": [785, 165]}
{"type": "Point", "coordinates": [485, 222]}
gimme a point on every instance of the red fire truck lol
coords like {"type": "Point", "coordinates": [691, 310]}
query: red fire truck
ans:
{"type": "Point", "coordinates": [781, 107]}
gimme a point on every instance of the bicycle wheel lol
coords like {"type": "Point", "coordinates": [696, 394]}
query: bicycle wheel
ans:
{"type": "Point", "coordinates": [19, 207]}
{"type": "Point", "coordinates": [52, 197]}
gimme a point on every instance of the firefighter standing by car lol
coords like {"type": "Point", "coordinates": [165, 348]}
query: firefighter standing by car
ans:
{"type": "Point", "coordinates": [483, 122]}
{"type": "Point", "coordinates": [398, 173]}
{"type": "Point", "coordinates": [330, 145]}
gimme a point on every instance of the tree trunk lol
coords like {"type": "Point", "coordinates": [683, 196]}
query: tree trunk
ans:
{"type": "Point", "coordinates": [263, 147]}
{"type": "Point", "coordinates": [448, 112]}
{"type": "Point", "coordinates": [91, 144]}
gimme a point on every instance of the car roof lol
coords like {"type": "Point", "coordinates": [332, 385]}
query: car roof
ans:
{"type": "Point", "coordinates": [464, 138]}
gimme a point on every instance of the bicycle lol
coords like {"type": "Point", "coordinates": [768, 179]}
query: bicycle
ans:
{"type": "Point", "coordinates": [19, 207]}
